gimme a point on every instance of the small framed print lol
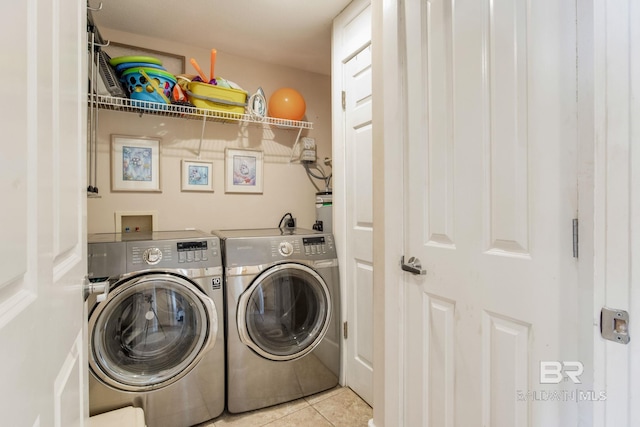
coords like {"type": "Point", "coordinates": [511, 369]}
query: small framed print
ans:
{"type": "Point", "coordinates": [197, 175]}
{"type": "Point", "coordinates": [135, 163]}
{"type": "Point", "coordinates": [243, 171]}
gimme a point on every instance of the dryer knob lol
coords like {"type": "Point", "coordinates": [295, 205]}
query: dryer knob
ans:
{"type": "Point", "coordinates": [152, 256]}
{"type": "Point", "coordinates": [286, 248]}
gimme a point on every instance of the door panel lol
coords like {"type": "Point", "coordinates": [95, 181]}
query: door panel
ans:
{"type": "Point", "coordinates": [490, 196]}
{"type": "Point", "coordinates": [439, 79]}
{"type": "Point", "coordinates": [15, 185]}
{"type": "Point", "coordinates": [359, 157]}
{"type": "Point", "coordinates": [43, 357]}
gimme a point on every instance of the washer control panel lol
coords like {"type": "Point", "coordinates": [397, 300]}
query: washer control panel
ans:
{"type": "Point", "coordinates": [192, 251]}
{"type": "Point", "coordinates": [152, 256]}
{"type": "Point", "coordinates": [199, 253]}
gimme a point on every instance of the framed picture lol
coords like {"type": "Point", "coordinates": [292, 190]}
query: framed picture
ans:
{"type": "Point", "coordinates": [135, 163]}
{"type": "Point", "coordinates": [243, 171]}
{"type": "Point", "coordinates": [197, 175]}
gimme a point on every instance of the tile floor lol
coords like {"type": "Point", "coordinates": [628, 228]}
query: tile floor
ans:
{"type": "Point", "coordinates": [338, 407]}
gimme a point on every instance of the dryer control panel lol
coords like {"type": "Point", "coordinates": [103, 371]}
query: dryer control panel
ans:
{"type": "Point", "coordinates": [316, 245]}
{"type": "Point", "coordinates": [285, 248]}
{"type": "Point", "coordinates": [261, 246]}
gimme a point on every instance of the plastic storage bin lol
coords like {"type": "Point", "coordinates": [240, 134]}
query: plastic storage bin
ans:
{"type": "Point", "coordinates": [142, 90]}
{"type": "Point", "coordinates": [210, 97]}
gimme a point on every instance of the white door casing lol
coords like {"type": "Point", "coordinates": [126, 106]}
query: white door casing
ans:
{"type": "Point", "coordinates": [612, 82]}
{"type": "Point", "coordinates": [352, 154]}
{"type": "Point", "coordinates": [388, 213]}
{"type": "Point", "coordinates": [490, 191]}
{"type": "Point", "coordinates": [43, 253]}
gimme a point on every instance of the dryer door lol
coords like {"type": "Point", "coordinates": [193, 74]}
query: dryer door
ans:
{"type": "Point", "coordinates": [285, 312]}
{"type": "Point", "coordinates": [150, 331]}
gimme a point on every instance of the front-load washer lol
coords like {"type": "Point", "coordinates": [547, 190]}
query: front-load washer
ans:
{"type": "Point", "coordinates": [156, 338]}
{"type": "Point", "coordinates": [283, 309]}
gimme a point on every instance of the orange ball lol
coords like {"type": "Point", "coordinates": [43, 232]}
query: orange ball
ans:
{"type": "Point", "coordinates": [287, 103]}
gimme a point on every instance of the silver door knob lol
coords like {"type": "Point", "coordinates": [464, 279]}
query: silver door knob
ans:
{"type": "Point", "coordinates": [413, 265]}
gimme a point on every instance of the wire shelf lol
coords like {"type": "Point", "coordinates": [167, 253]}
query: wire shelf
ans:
{"type": "Point", "coordinates": [188, 112]}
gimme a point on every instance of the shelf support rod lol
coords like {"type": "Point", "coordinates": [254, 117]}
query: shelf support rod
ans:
{"type": "Point", "coordinates": [204, 122]}
{"type": "Point", "coordinates": [294, 145]}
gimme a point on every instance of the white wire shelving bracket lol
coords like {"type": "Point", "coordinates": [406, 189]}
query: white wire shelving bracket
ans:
{"type": "Point", "coordinates": [187, 112]}
{"type": "Point", "coordinates": [105, 102]}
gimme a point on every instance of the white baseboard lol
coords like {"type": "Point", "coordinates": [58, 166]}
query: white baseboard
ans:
{"type": "Point", "coordinates": [370, 423]}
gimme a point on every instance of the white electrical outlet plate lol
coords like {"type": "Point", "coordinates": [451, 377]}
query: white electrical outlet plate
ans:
{"type": "Point", "coordinates": [308, 150]}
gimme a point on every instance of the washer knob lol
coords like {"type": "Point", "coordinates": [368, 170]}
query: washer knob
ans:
{"type": "Point", "coordinates": [152, 256]}
{"type": "Point", "coordinates": [286, 248]}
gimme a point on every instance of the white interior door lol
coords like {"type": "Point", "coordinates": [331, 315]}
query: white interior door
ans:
{"type": "Point", "coordinates": [42, 221]}
{"type": "Point", "coordinates": [490, 197]}
{"type": "Point", "coordinates": [359, 268]}
{"type": "Point", "coordinates": [353, 162]}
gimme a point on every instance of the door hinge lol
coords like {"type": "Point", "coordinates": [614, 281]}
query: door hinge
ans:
{"type": "Point", "coordinates": [344, 100]}
{"type": "Point", "coordinates": [345, 330]}
{"type": "Point", "coordinates": [575, 237]}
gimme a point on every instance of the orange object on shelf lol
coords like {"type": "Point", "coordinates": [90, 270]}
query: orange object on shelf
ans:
{"type": "Point", "coordinates": [212, 76]}
{"type": "Point", "coordinates": [199, 70]}
{"type": "Point", "coordinates": [287, 103]}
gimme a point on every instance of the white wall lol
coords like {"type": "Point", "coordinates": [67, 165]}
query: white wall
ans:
{"type": "Point", "coordinates": [286, 186]}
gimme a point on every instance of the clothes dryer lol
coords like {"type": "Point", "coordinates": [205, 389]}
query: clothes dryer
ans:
{"type": "Point", "coordinates": [156, 341]}
{"type": "Point", "coordinates": [283, 310]}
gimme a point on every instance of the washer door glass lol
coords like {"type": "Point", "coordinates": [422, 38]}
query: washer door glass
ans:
{"type": "Point", "coordinates": [150, 332]}
{"type": "Point", "coordinates": [285, 312]}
